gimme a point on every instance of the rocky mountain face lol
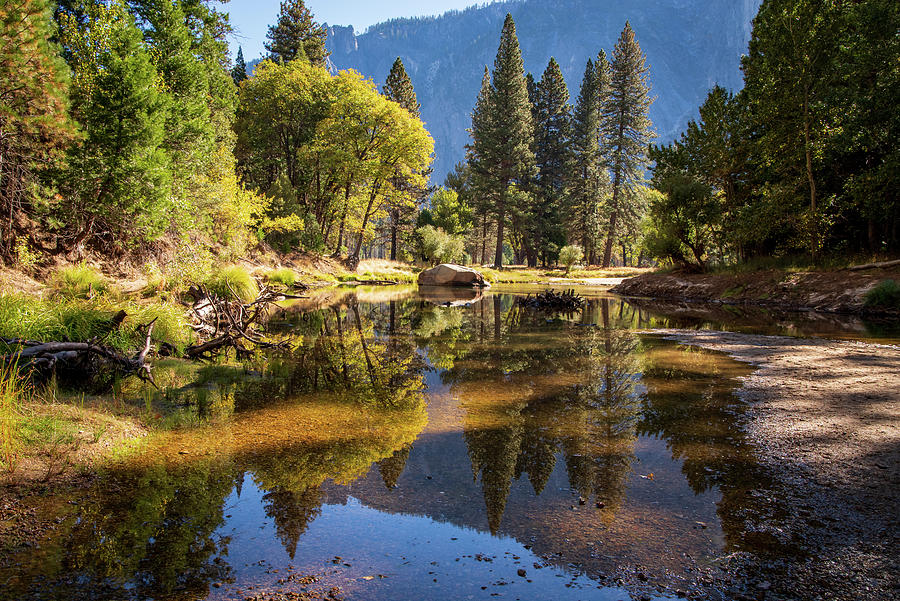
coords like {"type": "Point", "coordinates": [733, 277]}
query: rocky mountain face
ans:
{"type": "Point", "coordinates": [690, 46]}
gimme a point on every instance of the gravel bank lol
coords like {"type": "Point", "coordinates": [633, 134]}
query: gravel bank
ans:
{"type": "Point", "coordinates": [825, 419]}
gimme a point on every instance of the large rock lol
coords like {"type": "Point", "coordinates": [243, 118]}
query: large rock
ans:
{"type": "Point", "coordinates": [447, 274]}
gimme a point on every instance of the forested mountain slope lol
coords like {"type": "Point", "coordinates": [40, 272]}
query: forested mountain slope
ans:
{"type": "Point", "coordinates": [690, 46]}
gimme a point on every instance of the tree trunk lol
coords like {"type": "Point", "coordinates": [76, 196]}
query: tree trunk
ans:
{"type": "Point", "coordinates": [394, 227]}
{"type": "Point", "coordinates": [501, 217]}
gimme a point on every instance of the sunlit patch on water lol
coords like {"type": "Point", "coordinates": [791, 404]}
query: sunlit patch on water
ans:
{"type": "Point", "coordinates": [410, 449]}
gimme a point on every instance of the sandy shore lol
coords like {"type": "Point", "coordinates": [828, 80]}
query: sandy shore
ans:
{"type": "Point", "coordinates": [824, 417]}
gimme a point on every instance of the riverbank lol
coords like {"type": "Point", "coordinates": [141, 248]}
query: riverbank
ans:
{"type": "Point", "coordinates": [824, 417]}
{"type": "Point", "coordinates": [842, 291]}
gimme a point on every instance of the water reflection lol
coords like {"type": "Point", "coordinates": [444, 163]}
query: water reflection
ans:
{"type": "Point", "coordinates": [568, 438]}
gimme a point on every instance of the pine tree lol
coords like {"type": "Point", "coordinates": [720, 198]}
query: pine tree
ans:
{"type": "Point", "coordinates": [626, 133]}
{"type": "Point", "coordinates": [505, 158]}
{"type": "Point", "coordinates": [587, 179]}
{"type": "Point", "coordinates": [34, 126]}
{"type": "Point", "coordinates": [239, 71]}
{"type": "Point", "coordinates": [297, 34]}
{"type": "Point", "coordinates": [401, 213]}
{"type": "Point", "coordinates": [399, 88]}
{"type": "Point", "coordinates": [553, 134]}
{"type": "Point", "coordinates": [477, 160]}
{"type": "Point", "coordinates": [118, 179]}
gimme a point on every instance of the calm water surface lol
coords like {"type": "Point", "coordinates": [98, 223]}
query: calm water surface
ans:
{"type": "Point", "coordinates": [412, 450]}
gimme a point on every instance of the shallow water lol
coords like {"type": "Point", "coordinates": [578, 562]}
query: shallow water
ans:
{"type": "Point", "coordinates": [410, 450]}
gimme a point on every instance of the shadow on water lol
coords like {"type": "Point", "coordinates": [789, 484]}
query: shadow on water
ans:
{"type": "Point", "coordinates": [430, 444]}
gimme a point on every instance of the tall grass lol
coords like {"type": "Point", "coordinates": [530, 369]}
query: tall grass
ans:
{"type": "Point", "coordinates": [233, 278]}
{"type": "Point", "coordinates": [885, 295]}
{"type": "Point", "coordinates": [78, 281]}
{"type": "Point", "coordinates": [284, 276]}
{"type": "Point", "coordinates": [80, 320]}
{"type": "Point", "coordinates": [12, 391]}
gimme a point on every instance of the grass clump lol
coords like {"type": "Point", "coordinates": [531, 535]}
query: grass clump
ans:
{"type": "Point", "coordinates": [886, 295]}
{"type": "Point", "coordinates": [79, 320]}
{"type": "Point", "coordinates": [79, 281]}
{"type": "Point", "coordinates": [284, 276]}
{"type": "Point", "coordinates": [231, 281]}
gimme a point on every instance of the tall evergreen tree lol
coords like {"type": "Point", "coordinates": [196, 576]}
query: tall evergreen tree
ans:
{"type": "Point", "coordinates": [239, 71]}
{"type": "Point", "coordinates": [402, 207]}
{"type": "Point", "coordinates": [399, 88]}
{"type": "Point", "coordinates": [477, 160]}
{"type": "Point", "coordinates": [626, 132]}
{"type": "Point", "coordinates": [297, 34]}
{"type": "Point", "coordinates": [506, 159]}
{"type": "Point", "coordinates": [552, 144]}
{"type": "Point", "coordinates": [34, 125]}
{"type": "Point", "coordinates": [118, 179]}
{"type": "Point", "coordinates": [586, 179]}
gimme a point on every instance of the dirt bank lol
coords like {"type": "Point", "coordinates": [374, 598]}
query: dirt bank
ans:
{"type": "Point", "coordinates": [830, 291]}
{"type": "Point", "coordinates": [824, 417]}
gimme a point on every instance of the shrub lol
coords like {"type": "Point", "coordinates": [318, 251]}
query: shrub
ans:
{"type": "Point", "coordinates": [79, 281]}
{"type": "Point", "coordinates": [569, 255]}
{"type": "Point", "coordinates": [231, 281]}
{"type": "Point", "coordinates": [438, 246]}
{"type": "Point", "coordinates": [284, 276]}
{"type": "Point", "coordinates": [885, 295]}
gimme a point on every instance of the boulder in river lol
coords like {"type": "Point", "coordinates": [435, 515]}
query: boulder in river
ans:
{"type": "Point", "coordinates": [448, 274]}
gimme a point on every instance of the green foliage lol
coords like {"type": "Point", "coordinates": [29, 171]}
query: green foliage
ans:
{"type": "Point", "coordinates": [449, 212]}
{"type": "Point", "coordinates": [239, 71]}
{"type": "Point", "coordinates": [552, 143]}
{"type": "Point", "coordinates": [26, 258]}
{"type": "Point", "coordinates": [80, 320]}
{"type": "Point", "coordinates": [501, 153]}
{"type": "Point", "coordinates": [285, 276]}
{"type": "Point", "coordinates": [570, 255]}
{"type": "Point", "coordinates": [78, 281]}
{"type": "Point", "coordinates": [327, 148]}
{"type": "Point", "coordinates": [297, 35]}
{"type": "Point", "coordinates": [626, 134]}
{"type": "Point", "coordinates": [587, 180]}
{"type": "Point", "coordinates": [34, 124]}
{"type": "Point", "coordinates": [886, 295]}
{"type": "Point", "coordinates": [233, 281]}
{"type": "Point", "coordinates": [12, 393]}
{"type": "Point", "coordinates": [437, 246]}
{"type": "Point", "coordinates": [118, 179]}
{"type": "Point", "coordinates": [399, 88]}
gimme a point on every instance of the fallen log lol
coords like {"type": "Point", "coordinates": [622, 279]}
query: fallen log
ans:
{"type": "Point", "coordinates": [87, 362]}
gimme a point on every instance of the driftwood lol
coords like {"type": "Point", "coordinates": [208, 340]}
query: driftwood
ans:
{"type": "Point", "coordinates": [88, 362]}
{"type": "Point", "coordinates": [874, 265]}
{"type": "Point", "coordinates": [223, 324]}
{"type": "Point", "coordinates": [552, 301]}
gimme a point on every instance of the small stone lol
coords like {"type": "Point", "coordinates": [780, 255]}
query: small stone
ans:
{"type": "Point", "coordinates": [521, 572]}
{"type": "Point", "coordinates": [764, 586]}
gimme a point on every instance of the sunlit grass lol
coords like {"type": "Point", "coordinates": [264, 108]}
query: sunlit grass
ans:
{"type": "Point", "coordinates": [78, 281]}
{"type": "Point", "coordinates": [231, 281]}
{"type": "Point", "coordinates": [284, 276]}
{"type": "Point", "coordinates": [12, 393]}
{"type": "Point", "coordinates": [79, 320]}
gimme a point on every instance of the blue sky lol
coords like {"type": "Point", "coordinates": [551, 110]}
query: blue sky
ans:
{"type": "Point", "coordinates": [251, 18]}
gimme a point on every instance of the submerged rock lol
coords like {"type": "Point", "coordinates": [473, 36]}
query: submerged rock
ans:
{"type": "Point", "coordinates": [448, 274]}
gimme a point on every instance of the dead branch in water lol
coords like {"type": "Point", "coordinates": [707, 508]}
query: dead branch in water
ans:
{"type": "Point", "coordinates": [222, 324]}
{"type": "Point", "coordinates": [552, 301]}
